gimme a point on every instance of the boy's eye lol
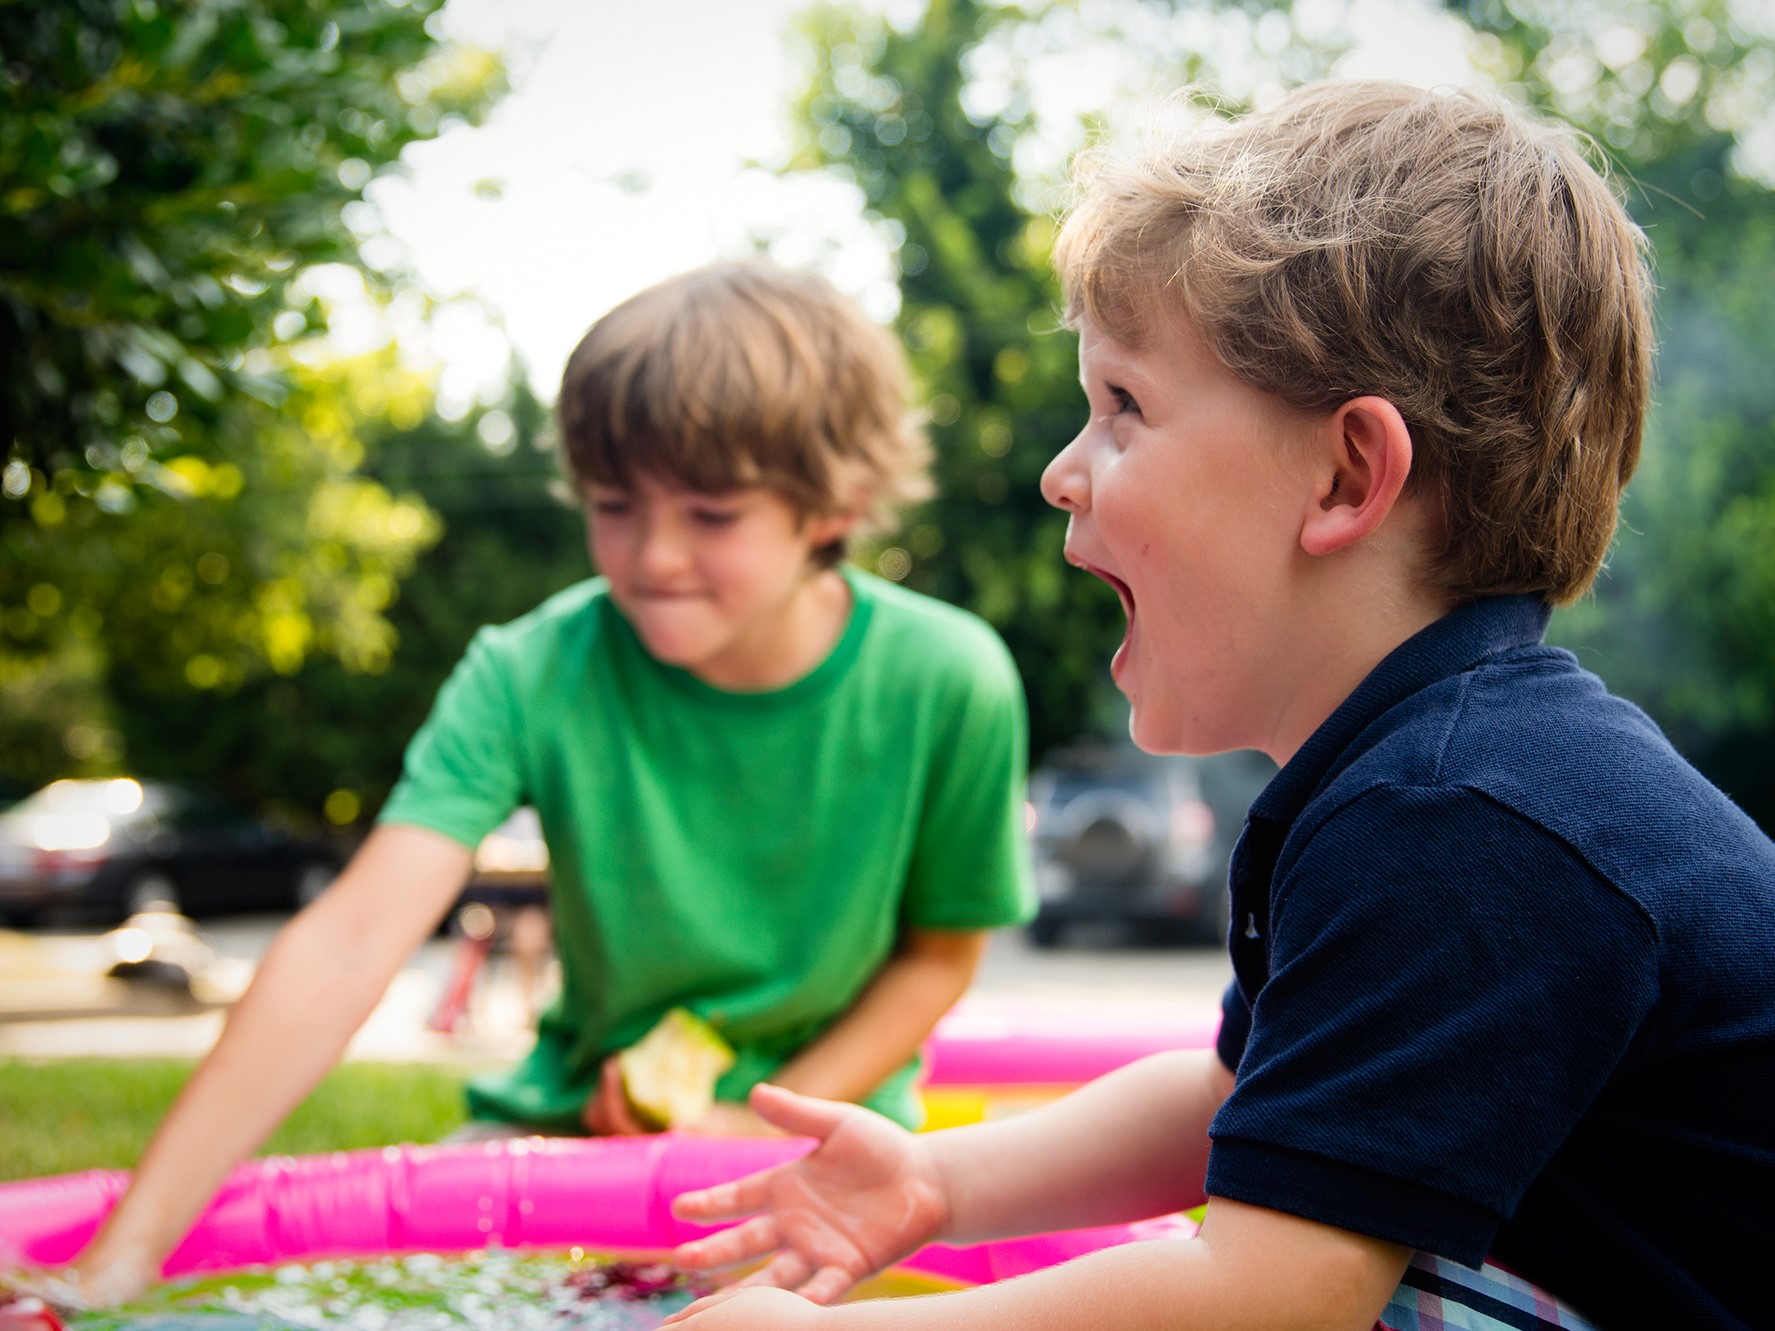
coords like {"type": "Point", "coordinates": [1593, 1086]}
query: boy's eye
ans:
{"type": "Point", "coordinates": [611, 506]}
{"type": "Point", "coordinates": [1124, 400]}
{"type": "Point", "coordinates": [715, 517]}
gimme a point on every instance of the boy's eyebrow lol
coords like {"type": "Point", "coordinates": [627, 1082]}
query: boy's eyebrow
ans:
{"type": "Point", "coordinates": [1114, 367]}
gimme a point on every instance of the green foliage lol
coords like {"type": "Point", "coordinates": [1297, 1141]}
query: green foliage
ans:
{"type": "Point", "coordinates": [978, 317]}
{"type": "Point", "coordinates": [936, 124]}
{"type": "Point", "coordinates": [182, 511]}
{"type": "Point", "coordinates": [169, 171]}
{"type": "Point", "coordinates": [327, 735]}
{"type": "Point", "coordinates": [65, 1115]}
{"type": "Point", "coordinates": [1676, 92]}
{"type": "Point", "coordinates": [905, 112]}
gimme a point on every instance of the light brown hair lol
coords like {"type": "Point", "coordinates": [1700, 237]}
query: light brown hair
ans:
{"type": "Point", "coordinates": [746, 374]}
{"type": "Point", "coordinates": [1440, 250]}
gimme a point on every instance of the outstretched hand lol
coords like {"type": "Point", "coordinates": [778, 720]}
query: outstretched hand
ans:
{"type": "Point", "coordinates": [866, 1197]}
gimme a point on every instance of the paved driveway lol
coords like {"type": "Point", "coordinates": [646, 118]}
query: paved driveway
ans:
{"type": "Point", "coordinates": [70, 1010]}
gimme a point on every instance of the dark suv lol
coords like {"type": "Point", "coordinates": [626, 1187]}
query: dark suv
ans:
{"type": "Point", "coordinates": [1138, 838]}
{"type": "Point", "coordinates": [115, 847]}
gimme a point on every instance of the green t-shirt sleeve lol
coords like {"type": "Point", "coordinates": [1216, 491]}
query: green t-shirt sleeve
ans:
{"type": "Point", "coordinates": [970, 864]}
{"type": "Point", "coordinates": [462, 774]}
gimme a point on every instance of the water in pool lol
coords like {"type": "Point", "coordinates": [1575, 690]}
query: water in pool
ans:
{"type": "Point", "coordinates": [495, 1290]}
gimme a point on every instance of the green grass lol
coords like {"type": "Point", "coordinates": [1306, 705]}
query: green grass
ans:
{"type": "Point", "coordinates": [61, 1115]}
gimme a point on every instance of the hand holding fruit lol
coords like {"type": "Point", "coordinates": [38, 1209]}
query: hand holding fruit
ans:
{"type": "Point", "coordinates": [665, 1080]}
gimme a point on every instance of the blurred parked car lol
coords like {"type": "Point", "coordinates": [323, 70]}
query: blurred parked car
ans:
{"type": "Point", "coordinates": [115, 847]}
{"type": "Point", "coordinates": [1138, 838]}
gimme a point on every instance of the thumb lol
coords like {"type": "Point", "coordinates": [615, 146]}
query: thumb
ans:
{"type": "Point", "coordinates": [798, 1115]}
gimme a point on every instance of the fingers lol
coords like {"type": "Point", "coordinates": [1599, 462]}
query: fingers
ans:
{"type": "Point", "coordinates": [594, 1115]}
{"type": "Point", "coordinates": [727, 1201]}
{"type": "Point", "coordinates": [786, 1270]}
{"type": "Point", "coordinates": [607, 1112]}
{"type": "Point", "coordinates": [702, 1305]}
{"type": "Point", "coordinates": [798, 1115]}
{"type": "Point", "coordinates": [28, 1313]}
{"type": "Point", "coordinates": [827, 1285]}
{"type": "Point", "coordinates": [730, 1247]}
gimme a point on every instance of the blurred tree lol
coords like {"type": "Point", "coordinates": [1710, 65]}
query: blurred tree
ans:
{"type": "Point", "coordinates": [934, 121]}
{"type": "Point", "coordinates": [978, 317]}
{"type": "Point", "coordinates": [1680, 94]}
{"type": "Point", "coordinates": [330, 737]}
{"type": "Point", "coordinates": [180, 501]}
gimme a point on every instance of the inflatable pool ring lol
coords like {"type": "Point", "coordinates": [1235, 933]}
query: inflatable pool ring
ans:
{"type": "Point", "coordinates": [988, 1058]}
{"type": "Point", "coordinates": [609, 1193]}
{"type": "Point", "coordinates": [606, 1193]}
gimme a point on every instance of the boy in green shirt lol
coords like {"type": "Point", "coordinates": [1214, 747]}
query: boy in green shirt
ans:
{"type": "Point", "coordinates": [778, 792]}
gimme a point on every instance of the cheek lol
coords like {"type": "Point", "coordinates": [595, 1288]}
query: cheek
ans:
{"type": "Point", "coordinates": [607, 547]}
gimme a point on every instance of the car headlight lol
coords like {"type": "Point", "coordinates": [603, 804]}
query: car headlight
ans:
{"type": "Point", "coordinates": [69, 831]}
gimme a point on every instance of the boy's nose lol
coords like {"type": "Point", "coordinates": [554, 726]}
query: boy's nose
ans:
{"type": "Point", "coordinates": [1065, 483]}
{"type": "Point", "coordinates": [661, 550]}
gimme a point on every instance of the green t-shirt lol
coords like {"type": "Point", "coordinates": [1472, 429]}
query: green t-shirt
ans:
{"type": "Point", "coordinates": [753, 857]}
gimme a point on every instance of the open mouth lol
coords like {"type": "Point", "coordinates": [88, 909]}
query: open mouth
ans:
{"type": "Point", "coordinates": [1121, 588]}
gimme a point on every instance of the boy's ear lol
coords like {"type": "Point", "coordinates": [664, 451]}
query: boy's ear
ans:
{"type": "Point", "coordinates": [1365, 459]}
{"type": "Point", "coordinates": [825, 528]}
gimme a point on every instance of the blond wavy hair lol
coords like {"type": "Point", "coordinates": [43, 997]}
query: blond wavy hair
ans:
{"type": "Point", "coordinates": [747, 374]}
{"type": "Point", "coordinates": [1438, 249]}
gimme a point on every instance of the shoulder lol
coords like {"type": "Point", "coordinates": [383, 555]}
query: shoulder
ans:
{"type": "Point", "coordinates": [1533, 749]}
{"type": "Point", "coordinates": [931, 638]}
{"type": "Point", "coordinates": [576, 614]}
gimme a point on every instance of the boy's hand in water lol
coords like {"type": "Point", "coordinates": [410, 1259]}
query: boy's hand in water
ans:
{"type": "Point", "coordinates": [27, 1313]}
{"type": "Point", "coordinates": [866, 1197]}
{"type": "Point", "coordinates": [35, 1299]}
{"type": "Point", "coordinates": [96, 1281]}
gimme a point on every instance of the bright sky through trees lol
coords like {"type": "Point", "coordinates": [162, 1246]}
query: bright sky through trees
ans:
{"type": "Point", "coordinates": [638, 142]}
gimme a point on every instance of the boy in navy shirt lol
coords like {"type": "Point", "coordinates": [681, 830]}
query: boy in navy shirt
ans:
{"type": "Point", "coordinates": [1366, 376]}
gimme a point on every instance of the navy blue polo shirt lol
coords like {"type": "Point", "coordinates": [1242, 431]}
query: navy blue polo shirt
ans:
{"type": "Point", "coordinates": [1505, 986]}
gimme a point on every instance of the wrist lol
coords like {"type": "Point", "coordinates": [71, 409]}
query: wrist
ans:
{"type": "Point", "coordinates": [939, 1173]}
{"type": "Point", "coordinates": [111, 1271]}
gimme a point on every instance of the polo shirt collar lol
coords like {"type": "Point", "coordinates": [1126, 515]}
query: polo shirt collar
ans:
{"type": "Point", "coordinates": [1468, 635]}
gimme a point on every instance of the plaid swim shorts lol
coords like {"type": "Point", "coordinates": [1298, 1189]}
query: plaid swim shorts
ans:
{"type": "Point", "coordinates": [1439, 1295]}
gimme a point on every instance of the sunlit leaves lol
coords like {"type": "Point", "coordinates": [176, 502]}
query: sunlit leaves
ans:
{"type": "Point", "coordinates": [1680, 97]}
{"type": "Point", "coordinates": [170, 170]}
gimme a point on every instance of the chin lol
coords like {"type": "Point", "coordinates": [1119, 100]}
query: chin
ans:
{"type": "Point", "coordinates": [1157, 734]}
{"type": "Point", "coordinates": [673, 651]}
{"type": "Point", "coordinates": [1148, 734]}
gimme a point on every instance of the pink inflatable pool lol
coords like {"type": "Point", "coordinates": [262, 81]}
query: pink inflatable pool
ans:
{"type": "Point", "coordinates": [996, 1043]}
{"type": "Point", "coordinates": [612, 1194]}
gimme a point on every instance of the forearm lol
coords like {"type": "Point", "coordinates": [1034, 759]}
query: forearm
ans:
{"type": "Point", "coordinates": [318, 981]}
{"type": "Point", "coordinates": [289, 1028]}
{"type": "Point", "coordinates": [1171, 1285]}
{"type": "Point", "coordinates": [1129, 1145]}
{"type": "Point", "coordinates": [889, 1020]}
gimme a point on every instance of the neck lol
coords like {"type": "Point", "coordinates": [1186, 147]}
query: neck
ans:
{"type": "Point", "coordinates": [1350, 640]}
{"type": "Point", "coordinates": [795, 640]}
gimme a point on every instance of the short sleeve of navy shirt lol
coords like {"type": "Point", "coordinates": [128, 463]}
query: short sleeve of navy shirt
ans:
{"type": "Point", "coordinates": [1505, 985]}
